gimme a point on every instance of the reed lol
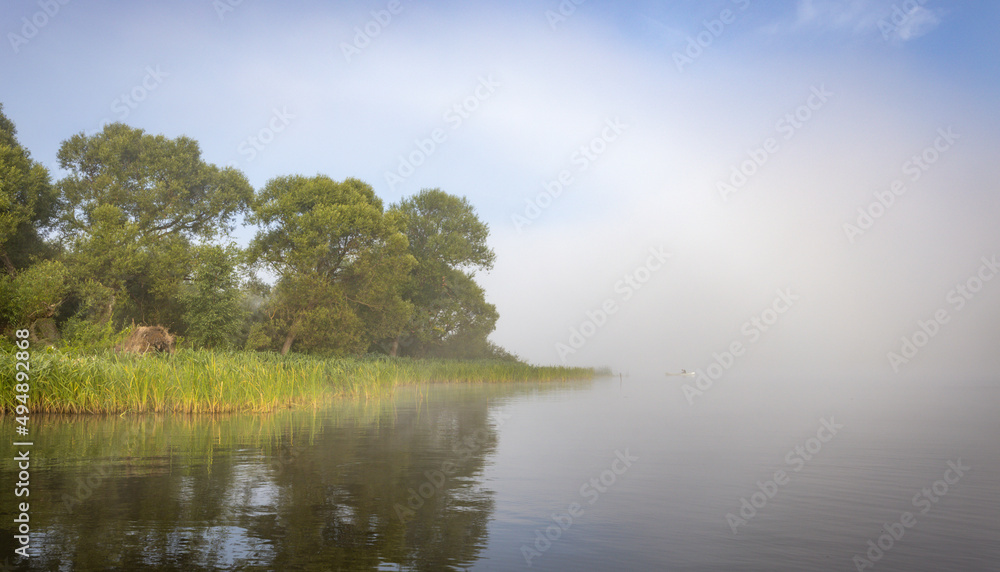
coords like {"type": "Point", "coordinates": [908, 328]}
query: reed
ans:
{"type": "Point", "coordinates": [202, 381]}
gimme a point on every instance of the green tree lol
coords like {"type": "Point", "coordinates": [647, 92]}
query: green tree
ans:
{"type": "Point", "coordinates": [340, 261]}
{"type": "Point", "coordinates": [33, 293]}
{"type": "Point", "coordinates": [27, 202]}
{"type": "Point", "coordinates": [451, 316]}
{"type": "Point", "coordinates": [27, 205]}
{"type": "Point", "coordinates": [133, 207]}
{"type": "Point", "coordinates": [214, 311]}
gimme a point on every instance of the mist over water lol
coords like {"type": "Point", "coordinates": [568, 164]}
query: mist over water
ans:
{"type": "Point", "coordinates": [796, 201]}
{"type": "Point", "coordinates": [609, 474]}
{"type": "Point", "coordinates": [669, 510]}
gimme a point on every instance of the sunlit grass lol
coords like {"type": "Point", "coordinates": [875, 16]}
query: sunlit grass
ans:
{"type": "Point", "coordinates": [203, 381]}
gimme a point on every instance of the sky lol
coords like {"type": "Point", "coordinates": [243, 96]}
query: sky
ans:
{"type": "Point", "coordinates": [733, 186]}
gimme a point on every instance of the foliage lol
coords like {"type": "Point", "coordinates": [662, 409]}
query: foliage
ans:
{"type": "Point", "coordinates": [213, 303]}
{"type": "Point", "coordinates": [451, 317]}
{"type": "Point", "coordinates": [33, 293]}
{"type": "Point", "coordinates": [339, 258]}
{"type": "Point", "coordinates": [27, 201]}
{"type": "Point", "coordinates": [133, 206]}
{"type": "Point", "coordinates": [160, 185]}
{"type": "Point", "coordinates": [81, 335]}
{"type": "Point", "coordinates": [131, 236]}
{"type": "Point", "coordinates": [316, 313]}
{"type": "Point", "coordinates": [445, 229]}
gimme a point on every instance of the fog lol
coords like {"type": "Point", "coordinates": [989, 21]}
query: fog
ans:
{"type": "Point", "coordinates": [717, 179]}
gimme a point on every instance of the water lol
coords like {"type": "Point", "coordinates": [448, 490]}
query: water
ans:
{"type": "Point", "coordinates": [620, 474]}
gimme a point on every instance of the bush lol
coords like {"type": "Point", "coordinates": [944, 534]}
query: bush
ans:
{"type": "Point", "coordinates": [82, 335]}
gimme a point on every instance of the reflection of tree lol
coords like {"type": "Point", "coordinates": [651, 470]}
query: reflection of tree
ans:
{"type": "Point", "coordinates": [301, 490]}
{"type": "Point", "coordinates": [337, 501]}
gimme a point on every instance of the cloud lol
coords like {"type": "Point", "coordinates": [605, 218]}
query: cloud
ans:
{"type": "Point", "coordinates": [833, 14]}
{"type": "Point", "coordinates": [898, 22]}
{"type": "Point", "coordinates": [655, 185]}
{"type": "Point", "coordinates": [914, 24]}
{"type": "Point", "coordinates": [670, 34]}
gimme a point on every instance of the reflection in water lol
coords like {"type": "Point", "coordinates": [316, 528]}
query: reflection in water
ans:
{"type": "Point", "coordinates": [390, 485]}
{"type": "Point", "coordinates": [466, 477]}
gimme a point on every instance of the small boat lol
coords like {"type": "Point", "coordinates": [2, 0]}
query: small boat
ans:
{"type": "Point", "coordinates": [683, 372]}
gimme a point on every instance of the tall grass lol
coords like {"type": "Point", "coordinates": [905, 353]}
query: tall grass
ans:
{"type": "Point", "coordinates": [219, 382]}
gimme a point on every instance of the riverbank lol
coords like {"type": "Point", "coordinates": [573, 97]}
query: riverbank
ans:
{"type": "Point", "coordinates": [203, 381]}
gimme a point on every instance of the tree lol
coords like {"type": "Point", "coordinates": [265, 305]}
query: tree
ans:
{"type": "Point", "coordinates": [33, 293]}
{"type": "Point", "coordinates": [213, 312]}
{"type": "Point", "coordinates": [456, 323]}
{"type": "Point", "coordinates": [27, 205]}
{"type": "Point", "coordinates": [340, 260]}
{"type": "Point", "coordinates": [27, 201]}
{"type": "Point", "coordinates": [445, 229]}
{"type": "Point", "coordinates": [451, 316]}
{"type": "Point", "coordinates": [133, 207]}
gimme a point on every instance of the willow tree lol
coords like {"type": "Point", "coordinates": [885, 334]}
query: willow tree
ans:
{"type": "Point", "coordinates": [340, 262]}
{"type": "Point", "coordinates": [133, 207]}
{"type": "Point", "coordinates": [451, 317]}
{"type": "Point", "coordinates": [27, 201]}
{"type": "Point", "coordinates": [27, 206]}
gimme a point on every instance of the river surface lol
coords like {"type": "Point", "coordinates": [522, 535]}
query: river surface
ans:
{"type": "Point", "coordinates": [609, 474]}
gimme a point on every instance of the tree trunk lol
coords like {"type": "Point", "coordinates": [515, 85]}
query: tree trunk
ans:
{"type": "Point", "coordinates": [290, 337]}
{"type": "Point", "coordinates": [7, 264]}
{"type": "Point", "coordinates": [288, 342]}
{"type": "Point", "coordinates": [395, 347]}
{"type": "Point", "coordinates": [108, 312]}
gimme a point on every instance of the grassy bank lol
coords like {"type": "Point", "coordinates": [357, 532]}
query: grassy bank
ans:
{"type": "Point", "coordinates": [214, 382]}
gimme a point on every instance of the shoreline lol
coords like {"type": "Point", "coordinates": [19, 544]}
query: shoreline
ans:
{"type": "Point", "coordinates": [206, 381]}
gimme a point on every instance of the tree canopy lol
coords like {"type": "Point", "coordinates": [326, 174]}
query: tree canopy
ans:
{"type": "Point", "coordinates": [137, 232]}
{"type": "Point", "coordinates": [27, 205]}
{"type": "Point", "coordinates": [159, 185]}
{"type": "Point", "coordinates": [131, 209]}
{"type": "Point", "coordinates": [340, 260]}
{"type": "Point", "coordinates": [27, 201]}
{"type": "Point", "coordinates": [448, 241]}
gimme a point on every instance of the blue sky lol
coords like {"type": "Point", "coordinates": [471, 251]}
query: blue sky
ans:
{"type": "Point", "coordinates": [663, 123]}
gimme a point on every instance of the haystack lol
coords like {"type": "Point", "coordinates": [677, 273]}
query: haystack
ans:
{"type": "Point", "coordinates": [148, 339]}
